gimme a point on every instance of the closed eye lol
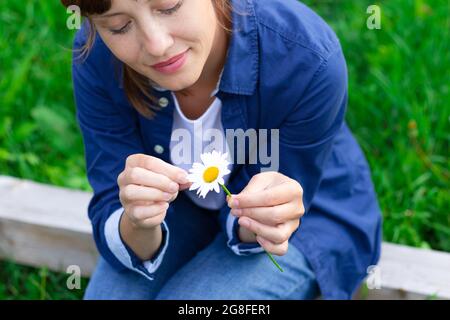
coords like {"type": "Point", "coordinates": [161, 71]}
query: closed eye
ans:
{"type": "Point", "coordinates": [122, 30]}
{"type": "Point", "coordinates": [169, 11]}
{"type": "Point", "coordinates": [173, 9]}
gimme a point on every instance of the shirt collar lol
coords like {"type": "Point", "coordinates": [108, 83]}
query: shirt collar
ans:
{"type": "Point", "coordinates": [240, 72]}
{"type": "Point", "coordinates": [241, 68]}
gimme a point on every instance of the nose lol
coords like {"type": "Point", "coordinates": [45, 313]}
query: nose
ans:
{"type": "Point", "coordinates": [156, 39]}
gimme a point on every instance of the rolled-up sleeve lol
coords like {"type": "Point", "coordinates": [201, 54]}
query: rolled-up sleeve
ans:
{"type": "Point", "coordinates": [124, 253]}
{"type": "Point", "coordinates": [231, 226]}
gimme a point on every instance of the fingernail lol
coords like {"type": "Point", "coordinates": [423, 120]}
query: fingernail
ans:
{"type": "Point", "coordinates": [244, 222]}
{"type": "Point", "coordinates": [236, 212]}
{"type": "Point", "coordinates": [232, 202]}
{"type": "Point", "coordinates": [182, 178]}
{"type": "Point", "coordinates": [173, 187]}
{"type": "Point", "coordinates": [260, 240]}
{"type": "Point", "coordinates": [229, 201]}
{"type": "Point", "coordinates": [167, 196]}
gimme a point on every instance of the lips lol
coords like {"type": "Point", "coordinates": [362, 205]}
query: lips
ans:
{"type": "Point", "coordinates": [170, 61]}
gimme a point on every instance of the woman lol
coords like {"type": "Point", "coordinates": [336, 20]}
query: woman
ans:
{"type": "Point", "coordinates": [159, 66]}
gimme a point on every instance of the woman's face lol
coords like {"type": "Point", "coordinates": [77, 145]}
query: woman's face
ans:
{"type": "Point", "coordinates": [143, 33]}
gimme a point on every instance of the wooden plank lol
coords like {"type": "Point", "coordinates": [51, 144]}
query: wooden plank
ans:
{"type": "Point", "coordinates": [41, 204]}
{"type": "Point", "coordinates": [43, 225]}
{"type": "Point", "coordinates": [36, 245]}
{"type": "Point", "coordinates": [413, 273]}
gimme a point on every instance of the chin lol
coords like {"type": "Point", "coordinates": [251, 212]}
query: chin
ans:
{"type": "Point", "coordinates": [179, 83]}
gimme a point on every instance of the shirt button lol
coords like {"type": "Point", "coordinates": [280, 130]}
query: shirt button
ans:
{"type": "Point", "coordinates": [158, 149]}
{"type": "Point", "coordinates": [163, 102]}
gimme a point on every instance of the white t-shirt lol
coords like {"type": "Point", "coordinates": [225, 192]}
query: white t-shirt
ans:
{"type": "Point", "coordinates": [197, 136]}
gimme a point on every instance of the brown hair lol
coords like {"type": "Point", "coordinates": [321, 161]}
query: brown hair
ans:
{"type": "Point", "coordinates": [136, 86]}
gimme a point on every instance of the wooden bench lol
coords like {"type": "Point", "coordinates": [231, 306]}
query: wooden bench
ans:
{"type": "Point", "coordinates": [42, 225]}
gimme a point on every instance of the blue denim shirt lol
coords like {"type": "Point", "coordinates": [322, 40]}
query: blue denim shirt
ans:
{"type": "Point", "coordinates": [285, 70]}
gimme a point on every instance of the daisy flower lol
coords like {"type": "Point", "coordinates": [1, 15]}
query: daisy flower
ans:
{"type": "Point", "coordinates": [208, 175]}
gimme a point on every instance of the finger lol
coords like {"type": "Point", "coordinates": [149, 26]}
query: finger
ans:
{"type": "Point", "coordinates": [132, 192]}
{"type": "Point", "coordinates": [279, 194]}
{"type": "Point", "coordinates": [153, 221]}
{"type": "Point", "coordinates": [173, 197]}
{"type": "Point", "coordinates": [159, 166]}
{"type": "Point", "coordinates": [271, 215]}
{"type": "Point", "coordinates": [143, 203]}
{"type": "Point", "coordinates": [144, 177]}
{"type": "Point", "coordinates": [269, 246]}
{"type": "Point", "coordinates": [277, 234]}
{"type": "Point", "coordinates": [141, 213]}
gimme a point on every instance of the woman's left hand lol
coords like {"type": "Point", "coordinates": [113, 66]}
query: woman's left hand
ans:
{"type": "Point", "coordinates": [271, 206]}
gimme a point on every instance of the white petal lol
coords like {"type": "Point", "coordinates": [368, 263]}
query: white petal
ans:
{"type": "Point", "coordinates": [205, 158]}
{"type": "Point", "coordinates": [195, 185]}
{"type": "Point", "coordinates": [192, 178]}
{"type": "Point", "coordinates": [197, 165]}
{"type": "Point", "coordinates": [204, 192]}
{"type": "Point", "coordinates": [197, 176]}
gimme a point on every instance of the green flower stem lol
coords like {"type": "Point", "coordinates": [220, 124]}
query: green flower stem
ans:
{"type": "Point", "coordinates": [225, 189]}
{"type": "Point", "coordinates": [274, 262]}
{"type": "Point", "coordinates": [270, 256]}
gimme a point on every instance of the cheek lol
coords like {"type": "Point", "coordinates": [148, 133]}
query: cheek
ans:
{"type": "Point", "coordinates": [187, 31]}
{"type": "Point", "coordinates": [122, 47]}
{"type": "Point", "coordinates": [198, 26]}
{"type": "Point", "coordinates": [128, 55]}
{"type": "Point", "coordinates": [200, 36]}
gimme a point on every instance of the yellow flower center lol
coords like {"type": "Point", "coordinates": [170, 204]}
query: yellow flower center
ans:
{"type": "Point", "coordinates": [211, 174]}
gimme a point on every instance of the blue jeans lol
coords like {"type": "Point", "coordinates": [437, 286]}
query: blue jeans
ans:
{"type": "Point", "coordinates": [198, 265]}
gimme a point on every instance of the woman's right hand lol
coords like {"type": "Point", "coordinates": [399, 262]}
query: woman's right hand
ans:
{"type": "Point", "coordinates": [147, 185]}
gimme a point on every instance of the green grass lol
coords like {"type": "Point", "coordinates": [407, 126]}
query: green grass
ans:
{"type": "Point", "coordinates": [399, 110]}
{"type": "Point", "coordinates": [39, 139]}
{"type": "Point", "coordinates": [20, 282]}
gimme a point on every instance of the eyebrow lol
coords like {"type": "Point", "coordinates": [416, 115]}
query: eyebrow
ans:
{"type": "Point", "coordinates": [109, 15]}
